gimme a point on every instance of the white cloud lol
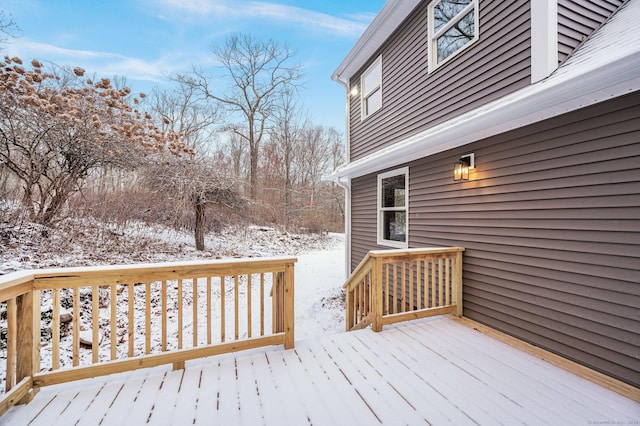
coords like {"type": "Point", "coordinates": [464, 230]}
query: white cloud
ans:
{"type": "Point", "coordinates": [35, 49]}
{"type": "Point", "coordinates": [351, 26]}
{"type": "Point", "coordinates": [192, 6]}
{"type": "Point", "coordinates": [307, 18]}
{"type": "Point", "coordinates": [104, 64]}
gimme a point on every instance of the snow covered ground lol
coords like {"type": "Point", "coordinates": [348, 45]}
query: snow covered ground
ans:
{"type": "Point", "coordinates": [319, 272]}
{"type": "Point", "coordinates": [319, 299]}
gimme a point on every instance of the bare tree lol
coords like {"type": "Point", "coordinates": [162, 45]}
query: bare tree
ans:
{"type": "Point", "coordinates": [8, 27]}
{"type": "Point", "coordinates": [184, 111]}
{"type": "Point", "coordinates": [55, 127]}
{"type": "Point", "coordinates": [256, 74]}
{"type": "Point", "coordinates": [461, 31]}
{"type": "Point", "coordinates": [238, 153]}
{"type": "Point", "coordinates": [285, 137]}
{"type": "Point", "coordinates": [197, 183]}
{"type": "Point", "coordinates": [316, 156]}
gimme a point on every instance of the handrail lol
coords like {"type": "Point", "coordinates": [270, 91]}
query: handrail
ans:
{"type": "Point", "coordinates": [389, 286]}
{"type": "Point", "coordinates": [137, 316]}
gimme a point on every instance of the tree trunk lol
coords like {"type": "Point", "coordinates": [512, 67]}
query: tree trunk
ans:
{"type": "Point", "coordinates": [253, 160]}
{"type": "Point", "coordinates": [199, 227]}
{"type": "Point", "coordinates": [253, 179]}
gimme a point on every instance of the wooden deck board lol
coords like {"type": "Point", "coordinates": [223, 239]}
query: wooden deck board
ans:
{"type": "Point", "coordinates": [101, 404]}
{"type": "Point", "coordinates": [65, 405]}
{"type": "Point", "coordinates": [334, 410]}
{"type": "Point", "coordinates": [431, 371]}
{"type": "Point", "coordinates": [434, 370]}
{"type": "Point", "coordinates": [295, 404]}
{"type": "Point", "coordinates": [417, 391]}
{"type": "Point", "coordinates": [545, 383]}
{"type": "Point", "coordinates": [135, 400]}
{"type": "Point", "coordinates": [186, 399]}
{"type": "Point", "coordinates": [207, 410]}
{"type": "Point", "coordinates": [510, 380]}
{"type": "Point", "coordinates": [370, 379]}
{"type": "Point", "coordinates": [476, 381]}
{"type": "Point", "coordinates": [306, 387]}
{"type": "Point", "coordinates": [164, 402]}
{"type": "Point", "coordinates": [250, 402]}
{"type": "Point", "coordinates": [341, 389]}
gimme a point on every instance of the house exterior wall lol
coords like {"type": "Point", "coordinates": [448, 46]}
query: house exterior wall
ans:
{"type": "Point", "coordinates": [414, 100]}
{"type": "Point", "coordinates": [577, 19]}
{"type": "Point", "coordinates": [498, 64]}
{"type": "Point", "coordinates": [551, 225]}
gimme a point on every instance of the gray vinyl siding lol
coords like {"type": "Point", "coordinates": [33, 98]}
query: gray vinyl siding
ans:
{"type": "Point", "coordinates": [577, 19]}
{"type": "Point", "coordinates": [414, 100]}
{"type": "Point", "coordinates": [363, 217]}
{"type": "Point", "coordinates": [551, 226]}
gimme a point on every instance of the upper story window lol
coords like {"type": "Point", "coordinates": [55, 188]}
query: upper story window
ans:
{"type": "Point", "coordinates": [371, 83]}
{"type": "Point", "coordinates": [453, 26]}
{"type": "Point", "coordinates": [393, 204]}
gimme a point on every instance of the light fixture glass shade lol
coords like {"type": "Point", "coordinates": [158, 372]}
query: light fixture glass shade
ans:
{"type": "Point", "coordinates": [461, 170]}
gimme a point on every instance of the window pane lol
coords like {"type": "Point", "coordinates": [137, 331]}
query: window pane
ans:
{"type": "Point", "coordinates": [371, 79]}
{"type": "Point", "coordinates": [456, 37]}
{"type": "Point", "coordinates": [393, 191]}
{"type": "Point", "coordinates": [394, 226]}
{"type": "Point", "coordinates": [446, 10]}
{"type": "Point", "coordinates": [373, 102]}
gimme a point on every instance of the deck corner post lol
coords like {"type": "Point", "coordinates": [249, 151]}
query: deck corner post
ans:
{"type": "Point", "coordinates": [457, 283]}
{"type": "Point", "coordinates": [289, 317]}
{"type": "Point", "coordinates": [28, 339]}
{"type": "Point", "coordinates": [376, 295]}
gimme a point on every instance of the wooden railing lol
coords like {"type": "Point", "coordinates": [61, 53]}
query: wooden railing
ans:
{"type": "Point", "coordinates": [104, 320]}
{"type": "Point", "coordinates": [398, 285]}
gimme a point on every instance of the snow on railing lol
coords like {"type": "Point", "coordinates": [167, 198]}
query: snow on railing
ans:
{"type": "Point", "coordinates": [399, 285]}
{"type": "Point", "coordinates": [60, 325]}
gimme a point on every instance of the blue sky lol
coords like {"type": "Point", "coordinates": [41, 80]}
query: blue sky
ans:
{"type": "Point", "coordinates": [143, 40]}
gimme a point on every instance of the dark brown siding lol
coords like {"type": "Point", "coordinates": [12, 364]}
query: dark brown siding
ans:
{"type": "Point", "coordinates": [551, 224]}
{"type": "Point", "coordinates": [414, 100]}
{"type": "Point", "coordinates": [363, 217]}
{"type": "Point", "coordinates": [577, 19]}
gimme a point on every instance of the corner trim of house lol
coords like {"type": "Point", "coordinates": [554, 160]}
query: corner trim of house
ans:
{"type": "Point", "coordinates": [544, 39]}
{"type": "Point", "coordinates": [587, 373]}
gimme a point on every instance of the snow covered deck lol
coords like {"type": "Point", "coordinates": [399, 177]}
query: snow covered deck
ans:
{"type": "Point", "coordinates": [429, 371]}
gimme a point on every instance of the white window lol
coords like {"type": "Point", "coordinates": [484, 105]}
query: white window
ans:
{"type": "Point", "coordinates": [371, 83]}
{"type": "Point", "coordinates": [393, 204]}
{"type": "Point", "coordinates": [453, 26]}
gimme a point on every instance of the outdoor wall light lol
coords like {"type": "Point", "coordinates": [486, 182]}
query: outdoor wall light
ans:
{"type": "Point", "coordinates": [462, 167]}
{"type": "Point", "coordinates": [354, 91]}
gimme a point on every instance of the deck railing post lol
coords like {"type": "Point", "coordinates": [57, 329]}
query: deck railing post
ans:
{"type": "Point", "coordinates": [350, 311]}
{"type": "Point", "coordinates": [12, 334]}
{"type": "Point", "coordinates": [289, 317]}
{"type": "Point", "coordinates": [457, 283]}
{"type": "Point", "coordinates": [28, 338]}
{"type": "Point", "coordinates": [376, 295]}
{"type": "Point", "coordinates": [277, 300]}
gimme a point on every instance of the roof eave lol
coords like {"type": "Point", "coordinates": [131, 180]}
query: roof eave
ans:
{"type": "Point", "coordinates": [392, 14]}
{"type": "Point", "coordinates": [541, 101]}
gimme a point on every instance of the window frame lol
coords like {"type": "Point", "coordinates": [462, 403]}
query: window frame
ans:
{"type": "Point", "coordinates": [365, 95]}
{"type": "Point", "coordinates": [434, 64]}
{"type": "Point", "coordinates": [404, 171]}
